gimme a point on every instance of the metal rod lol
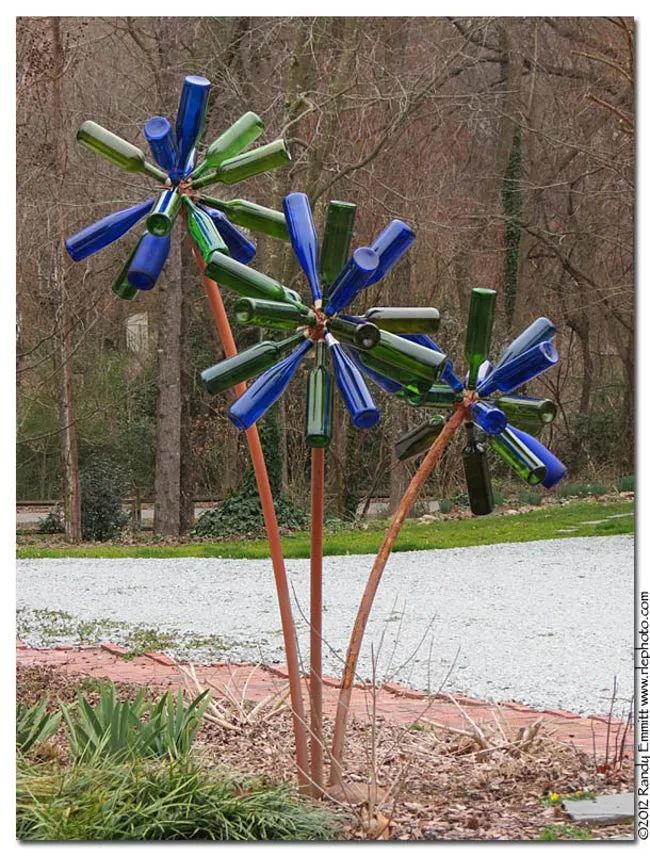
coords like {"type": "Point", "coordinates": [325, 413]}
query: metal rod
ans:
{"type": "Point", "coordinates": [354, 646]}
{"type": "Point", "coordinates": [316, 618]}
{"type": "Point", "coordinates": [273, 534]}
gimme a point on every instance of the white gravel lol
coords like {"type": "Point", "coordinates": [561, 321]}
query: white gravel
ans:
{"type": "Point", "coordinates": [547, 623]}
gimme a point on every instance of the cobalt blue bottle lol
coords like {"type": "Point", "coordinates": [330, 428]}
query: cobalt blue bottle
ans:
{"type": "Point", "coordinates": [102, 233]}
{"type": "Point", "coordinates": [148, 261]}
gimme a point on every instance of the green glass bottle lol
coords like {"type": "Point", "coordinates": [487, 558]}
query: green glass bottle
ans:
{"type": "Point", "coordinates": [477, 474]}
{"type": "Point", "coordinates": [438, 395]}
{"type": "Point", "coordinates": [518, 456]}
{"type": "Point", "coordinates": [419, 439]}
{"type": "Point", "coordinates": [363, 336]}
{"type": "Point", "coordinates": [479, 331]}
{"type": "Point", "coordinates": [164, 213]}
{"type": "Point", "coordinates": [271, 313]}
{"type": "Point", "coordinates": [393, 372]}
{"type": "Point", "coordinates": [233, 141]}
{"type": "Point", "coordinates": [422, 366]}
{"type": "Point", "coordinates": [531, 414]}
{"type": "Point", "coordinates": [120, 152]}
{"type": "Point", "coordinates": [248, 282]}
{"type": "Point", "coordinates": [337, 237]}
{"type": "Point", "coordinates": [404, 319]}
{"type": "Point", "coordinates": [265, 158]}
{"type": "Point", "coordinates": [203, 231]}
{"type": "Point", "coordinates": [320, 399]}
{"type": "Point", "coordinates": [258, 218]}
{"type": "Point", "coordinates": [121, 285]}
{"type": "Point", "coordinates": [246, 364]}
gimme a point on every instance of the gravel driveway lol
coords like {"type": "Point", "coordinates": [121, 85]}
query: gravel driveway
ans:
{"type": "Point", "coordinates": [546, 623]}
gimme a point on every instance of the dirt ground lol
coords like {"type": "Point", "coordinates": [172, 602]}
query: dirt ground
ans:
{"type": "Point", "coordinates": [433, 783]}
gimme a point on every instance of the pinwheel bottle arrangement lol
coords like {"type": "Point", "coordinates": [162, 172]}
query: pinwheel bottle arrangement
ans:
{"type": "Point", "coordinates": [346, 347]}
{"type": "Point", "coordinates": [496, 419]}
{"type": "Point", "coordinates": [212, 223]}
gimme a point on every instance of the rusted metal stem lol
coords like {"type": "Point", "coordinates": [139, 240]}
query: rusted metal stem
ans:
{"type": "Point", "coordinates": [316, 618]}
{"type": "Point", "coordinates": [412, 492]}
{"type": "Point", "coordinates": [273, 534]}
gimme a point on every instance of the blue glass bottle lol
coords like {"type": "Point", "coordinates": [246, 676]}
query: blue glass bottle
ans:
{"type": "Point", "coordinates": [356, 395]}
{"type": "Point", "coordinates": [148, 261]}
{"type": "Point", "coordinates": [351, 280]}
{"type": "Point", "coordinates": [386, 383]}
{"type": "Point", "coordinates": [190, 122]}
{"type": "Point", "coordinates": [488, 417]}
{"type": "Point", "coordinates": [266, 390]}
{"type": "Point", "coordinates": [102, 233]}
{"type": "Point", "coordinates": [160, 136]}
{"type": "Point", "coordinates": [555, 469]}
{"type": "Point", "coordinates": [447, 375]}
{"type": "Point", "coordinates": [390, 245]}
{"type": "Point", "coordinates": [520, 369]}
{"type": "Point", "coordinates": [517, 454]}
{"type": "Point", "coordinates": [239, 247]}
{"type": "Point", "coordinates": [541, 330]}
{"type": "Point", "coordinates": [302, 234]}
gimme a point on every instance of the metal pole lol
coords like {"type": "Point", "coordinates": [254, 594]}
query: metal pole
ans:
{"type": "Point", "coordinates": [354, 646]}
{"type": "Point", "coordinates": [273, 534]}
{"type": "Point", "coordinates": [316, 618]}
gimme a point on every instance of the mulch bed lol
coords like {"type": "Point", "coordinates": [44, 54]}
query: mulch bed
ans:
{"type": "Point", "coordinates": [439, 785]}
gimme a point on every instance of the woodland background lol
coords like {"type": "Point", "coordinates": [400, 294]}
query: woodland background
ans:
{"type": "Point", "coordinates": [506, 143]}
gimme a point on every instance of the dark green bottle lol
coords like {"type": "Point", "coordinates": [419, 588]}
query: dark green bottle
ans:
{"type": "Point", "coordinates": [337, 237]}
{"type": "Point", "coordinates": [421, 366]}
{"type": "Point", "coordinates": [120, 152]}
{"type": "Point", "coordinates": [438, 395]}
{"type": "Point", "coordinates": [530, 414]}
{"type": "Point", "coordinates": [363, 336]}
{"type": "Point", "coordinates": [231, 142]}
{"type": "Point", "coordinates": [251, 216]}
{"type": "Point", "coordinates": [271, 313]}
{"type": "Point", "coordinates": [404, 319]}
{"type": "Point", "coordinates": [320, 393]}
{"type": "Point", "coordinates": [248, 282]}
{"type": "Point", "coordinates": [479, 331]}
{"type": "Point", "coordinates": [247, 364]}
{"type": "Point", "coordinates": [477, 474]}
{"type": "Point", "coordinates": [164, 213]}
{"type": "Point", "coordinates": [396, 373]}
{"type": "Point", "coordinates": [518, 456]}
{"type": "Point", "coordinates": [246, 165]}
{"type": "Point", "coordinates": [203, 231]}
{"type": "Point", "coordinates": [121, 285]}
{"type": "Point", "coordinates": [419, 439]}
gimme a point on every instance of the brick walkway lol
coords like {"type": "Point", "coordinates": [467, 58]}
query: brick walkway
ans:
{"type": "Point", "coordinates": [396, 703]}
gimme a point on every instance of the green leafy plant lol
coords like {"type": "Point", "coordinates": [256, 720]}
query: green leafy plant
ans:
{"type": "Point", "coordinates": [445, 506]}
{"type": "Point", "coordinates": [241, 513]}
{"type": "Point", "coordinates": [103, 487]}
{"type": "Point", "coordinates": [159, 801]}
{"type": "Point", "coordinates": [625, 483]}
{"type": "Point", "coordinates": [34, 724]}
{"type": "Point", "coordinates": [52, 523]}
{"type": "Point", "coordinates": [561, 831]}
{"type": "Point", "coordinates": [114, 728]}
{"type": "Point", "coordinates": [529, 497]}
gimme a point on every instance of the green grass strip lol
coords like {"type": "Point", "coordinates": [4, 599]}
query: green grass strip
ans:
{"type": "Point", "coordinates": [557, 521]}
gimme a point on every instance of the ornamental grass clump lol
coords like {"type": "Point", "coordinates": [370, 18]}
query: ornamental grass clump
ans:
{"type": "Point", "coordinates": [159, 801]}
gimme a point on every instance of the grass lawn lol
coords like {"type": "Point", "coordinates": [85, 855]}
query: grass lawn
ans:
{"type": "Point", "coordinates": [554, 521]}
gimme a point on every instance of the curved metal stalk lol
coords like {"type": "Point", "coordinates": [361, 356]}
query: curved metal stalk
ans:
{"type": "Point", "coordinates": [354, 646]}
{"type": "Point", "coordinates": [273, 533]}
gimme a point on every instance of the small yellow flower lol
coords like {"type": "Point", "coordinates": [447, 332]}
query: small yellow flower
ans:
{"type": "Point", "coordinates": [555, 798]}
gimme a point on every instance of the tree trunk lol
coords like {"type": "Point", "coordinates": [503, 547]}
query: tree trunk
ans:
{"type": "Point", "coordinates": [69, 452]}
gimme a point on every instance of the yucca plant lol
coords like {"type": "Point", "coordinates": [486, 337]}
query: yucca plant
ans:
{"type": "Point", "coordinates": [117, 729]}
{"type": "Point", "coordinates": [34, 724]}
